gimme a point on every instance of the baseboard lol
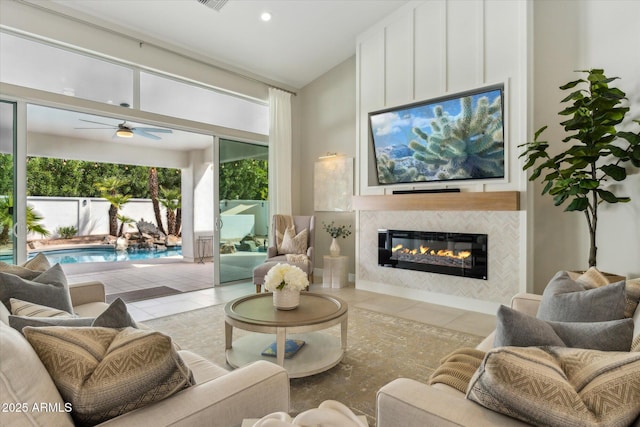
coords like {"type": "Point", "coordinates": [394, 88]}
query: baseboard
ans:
{"type": "Point", "coordinates": [463, 303]}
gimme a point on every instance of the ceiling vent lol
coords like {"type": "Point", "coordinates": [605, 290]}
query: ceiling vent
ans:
{"type": "Point", "coordinates": [213, 4]}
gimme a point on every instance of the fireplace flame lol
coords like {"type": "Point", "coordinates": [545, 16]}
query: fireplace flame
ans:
{"type": "Point", "coordinates": [425, 250]}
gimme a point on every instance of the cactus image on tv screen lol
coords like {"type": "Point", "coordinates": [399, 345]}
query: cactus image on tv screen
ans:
{"type": "Point", "coordinates": [457, 137]}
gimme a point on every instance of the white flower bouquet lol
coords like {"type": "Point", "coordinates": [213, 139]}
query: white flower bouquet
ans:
{"type": "Point", "coordinates": [285, 276]}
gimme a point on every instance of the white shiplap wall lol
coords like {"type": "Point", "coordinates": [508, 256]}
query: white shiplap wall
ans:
{"type": "Point", "coordinates": [426, 50]}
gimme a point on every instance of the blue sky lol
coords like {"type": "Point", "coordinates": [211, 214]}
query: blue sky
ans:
{"type": "Point", "coordinates": [394, 127]}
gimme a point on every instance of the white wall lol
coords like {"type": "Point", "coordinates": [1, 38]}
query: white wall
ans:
{"type": "Point", "coordinates": [430, 49]}
{"type": "Point", "coordinates": [578, 35]}
{"type": "Point", "coordinates": [327, 115]}
{"type": "Point", "coordinates": [426, 50]}
{"type": "Point", "coordinates": [90, 216]}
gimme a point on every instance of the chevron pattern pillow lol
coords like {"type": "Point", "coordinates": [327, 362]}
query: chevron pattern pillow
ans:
{"type": "Point", "coordinates": [559, 386]}
{"type": "Point", "coordinates": [293, 243]}
{"type": "Point", "coordinates": [106, 372]}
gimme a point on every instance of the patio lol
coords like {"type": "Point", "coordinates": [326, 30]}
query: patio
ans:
{"type": "Point", "coordinates": [158, 287]}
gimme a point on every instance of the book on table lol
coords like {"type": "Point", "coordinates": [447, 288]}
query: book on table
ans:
{"type": "Point", "coordinates": [291, 347]}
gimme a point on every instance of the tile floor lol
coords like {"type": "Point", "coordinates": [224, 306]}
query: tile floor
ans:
{"type": "Point", "coordinates": [194, 283]}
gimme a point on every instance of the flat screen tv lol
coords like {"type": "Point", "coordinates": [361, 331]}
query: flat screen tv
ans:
{"type": "Point", "coordinates": [451, 138]}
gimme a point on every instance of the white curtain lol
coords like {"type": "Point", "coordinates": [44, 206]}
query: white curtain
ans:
{"type": "Point", "coordinates": [279, 152]}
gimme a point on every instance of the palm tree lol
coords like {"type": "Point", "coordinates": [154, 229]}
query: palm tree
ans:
{"type": "Point", "coordinates": [6, 220]}
{"type": "Point", "coordinates": [153, 191]}
{"type": "Point", "coordinates": [117, 202]}
{"type": "Point", "coordinates": [124, 220]}
{"type": "Point", "coordinates": [172, 201]}
{"type": "Point", "coordinates": [33, 222]}
{"type": "Point", "coordinates": [108, 188]}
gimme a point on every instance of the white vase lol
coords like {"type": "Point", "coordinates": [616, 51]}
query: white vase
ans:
{"type": "Point", "coordinates": [334, 249]}
{"type": "Point", "coordinates": [286, 299]}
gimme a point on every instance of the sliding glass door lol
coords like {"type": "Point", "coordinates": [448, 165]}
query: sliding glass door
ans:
{"type": "Point", "coordinates": [243, 215]}
{"type": "Point", "coordinates": [8, 142]}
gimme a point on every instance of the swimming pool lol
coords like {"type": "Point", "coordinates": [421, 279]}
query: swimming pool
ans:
{"type": "Point", "coordinates": [72, 256]}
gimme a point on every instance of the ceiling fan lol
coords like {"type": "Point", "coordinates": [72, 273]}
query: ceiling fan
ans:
{"type": "Point", "coordinates": [124, 130]}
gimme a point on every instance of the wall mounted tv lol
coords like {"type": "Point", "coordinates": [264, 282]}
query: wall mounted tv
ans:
{"type": "Point", "coordinates": [451, 138]}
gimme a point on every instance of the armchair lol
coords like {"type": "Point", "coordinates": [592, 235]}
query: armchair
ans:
{"type": "Point", "coordinates": [273, 256]}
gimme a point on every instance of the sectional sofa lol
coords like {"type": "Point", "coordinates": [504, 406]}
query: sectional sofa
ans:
{"type": "Point", "coordinates": [219, 397]}
{"type": "Point", "coordinates": [409, 403]}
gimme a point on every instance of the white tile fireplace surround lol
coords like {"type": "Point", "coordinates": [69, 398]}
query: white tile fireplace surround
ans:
{"type": "Point", "coordinates": [505, 261]}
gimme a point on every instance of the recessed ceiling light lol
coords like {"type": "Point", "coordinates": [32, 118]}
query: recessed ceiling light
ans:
{"type": "Point", "coordinates": [266, 16]}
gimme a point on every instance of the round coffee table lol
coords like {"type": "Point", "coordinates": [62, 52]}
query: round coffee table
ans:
{"type": "Point", "coordinates": [316, 312]}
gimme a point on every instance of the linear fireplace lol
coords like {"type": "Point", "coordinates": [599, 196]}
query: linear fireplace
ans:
{"type": "Point", "coordinates": [456, 254]}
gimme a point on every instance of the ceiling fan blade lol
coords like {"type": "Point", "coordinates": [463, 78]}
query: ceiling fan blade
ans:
{"type": "Point", "coordinates": [96, 128]}
{"type": "Point", "coordinates": [137, 131]}
{"type": "Point", "coordinates": [154, 130]}
{"type": "Point", "coordinates": [98, 123]}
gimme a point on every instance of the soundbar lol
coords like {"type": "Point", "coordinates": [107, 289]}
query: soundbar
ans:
{"type": "Point", "coordinates": [431, 190]}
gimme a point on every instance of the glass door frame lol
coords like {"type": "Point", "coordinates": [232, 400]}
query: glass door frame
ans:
{"type": "Point", "coordinates": [19, 232]}
{"type": "Point", "coordinates": [218, 222]}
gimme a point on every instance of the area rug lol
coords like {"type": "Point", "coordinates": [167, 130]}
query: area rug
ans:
{"type": "Point", "coordinates": [380, 349]}
{"type": "Point", "coordinates": [143, 294]}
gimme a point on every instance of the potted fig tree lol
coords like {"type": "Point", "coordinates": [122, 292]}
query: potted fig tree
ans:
{"type": "Point", "coordinates": [596, 152]}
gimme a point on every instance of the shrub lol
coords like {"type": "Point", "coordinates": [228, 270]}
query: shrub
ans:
{"type": "Point", "coordinates": [67, 232]}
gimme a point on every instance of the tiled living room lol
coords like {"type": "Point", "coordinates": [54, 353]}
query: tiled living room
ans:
{"type": "Point", "coordinates": [531, 311]}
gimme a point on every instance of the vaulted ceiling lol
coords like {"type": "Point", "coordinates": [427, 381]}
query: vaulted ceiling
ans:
{"type": "Point", "coordinates": [302, 40]}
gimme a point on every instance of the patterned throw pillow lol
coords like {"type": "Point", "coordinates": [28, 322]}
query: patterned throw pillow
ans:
{"type": "Point", "coordinates": [559, 386]}
{"type": "Point", "coordinates": [293, 243]}
{"type": "Point", "coordinates": [106, 372]}
{"type": "Point", "coordinates": [48, 288]}
{"type": "Point", "coordinates": [29, 309]}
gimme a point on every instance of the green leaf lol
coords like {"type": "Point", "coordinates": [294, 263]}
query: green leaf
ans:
{"type": "Point", "coordinates": [616, 172]}
{"type": "Point", "coordinates": [578, 204]}
{"type": "Point", "coordinates": [589, 184]}
{"type": "Point", "coordinates": [572, 84]}
{"type": "Point", "coordinates": [574, 95]}
{"type": "Point", "coordinates": [632, 138]}
{"type": "Point", "coordinates": [537, 134]}
{"type": "Point", "coordinates": [607, 196]}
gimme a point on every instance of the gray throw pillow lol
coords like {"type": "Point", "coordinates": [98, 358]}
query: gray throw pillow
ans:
{"type": "Point", "coordinates": [565, 300]}
{"type": "Point", "coordinates": [49, 288]}
{"type": "Point", "coordinates": [517, 329]}
{"type": "Point", "coordinates": [115, 316]}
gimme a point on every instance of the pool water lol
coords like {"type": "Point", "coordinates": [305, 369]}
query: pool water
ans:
{"type": "Point", "coordinates": [72, 256]}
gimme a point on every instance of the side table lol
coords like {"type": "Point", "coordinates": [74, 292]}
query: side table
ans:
{"type": "Point", "coordinates": [335, 271]}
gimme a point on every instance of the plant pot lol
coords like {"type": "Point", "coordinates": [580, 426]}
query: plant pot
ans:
{"type": "Point", "coordinates": [334, 249]}
{"type": "Point", "coordinates": [286, 299]}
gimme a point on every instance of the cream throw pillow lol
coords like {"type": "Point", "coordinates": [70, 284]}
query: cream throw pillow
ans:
{"type": "Point", "coordinates": [105, 372]}
{"type": "Point", "coordinates": [29, 269]}
{"type": "Point", "coordinates": [558, 386]}
{"type": "Point", "coordinates": [29, 309]}
{"type": "Point", "coordinates": [293, 243]}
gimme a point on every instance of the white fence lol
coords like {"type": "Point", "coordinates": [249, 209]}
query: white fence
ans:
{"type": "Point", "coordinates": [90, 216]}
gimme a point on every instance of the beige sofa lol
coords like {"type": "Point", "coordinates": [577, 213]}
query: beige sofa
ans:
{"type": "Point", "coordinates": [219, 397]}
{"type": "Point", "coordinates": [409, 403]}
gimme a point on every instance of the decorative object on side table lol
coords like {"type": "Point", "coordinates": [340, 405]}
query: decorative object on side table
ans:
{"type": "Point", "coordinates": [583, 172]}
{"type": "Point", "coordinates": [336, 231]}
{"type": "Point", "coordinates": [328, 413]}
{"type": "Point", "coordinates": [286, 281]}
